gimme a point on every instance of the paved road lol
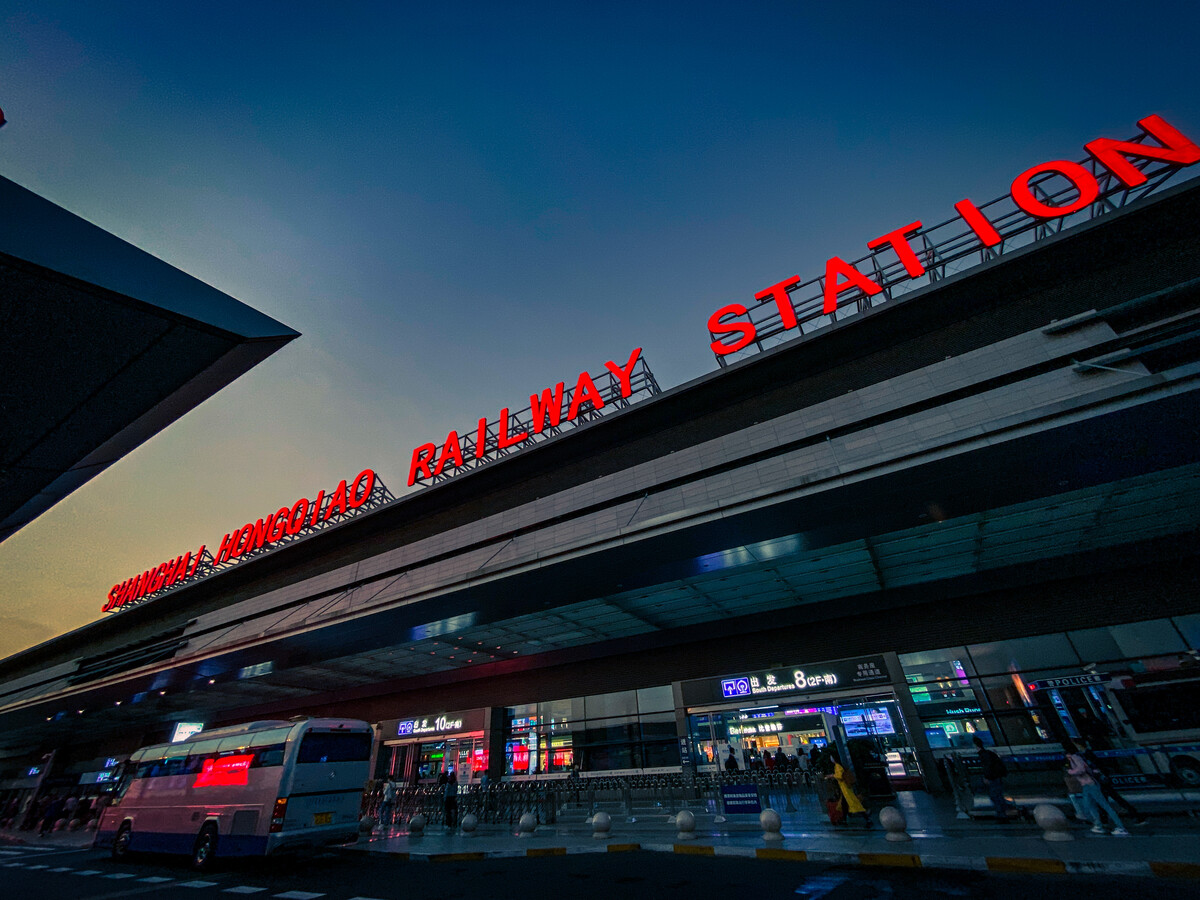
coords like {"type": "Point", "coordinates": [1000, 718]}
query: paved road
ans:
{"type": "Point", "coordinates": [44, 874]}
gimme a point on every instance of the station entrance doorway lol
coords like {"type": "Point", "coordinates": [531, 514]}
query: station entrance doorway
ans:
{"type": "Point", "coordinates": [767, 722]}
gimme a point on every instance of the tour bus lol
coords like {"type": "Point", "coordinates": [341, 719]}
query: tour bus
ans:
{"type": "Point", "coordinates": [244, 790]}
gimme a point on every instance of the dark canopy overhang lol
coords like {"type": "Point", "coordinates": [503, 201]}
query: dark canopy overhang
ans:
{"type": "Point", "coordinates": [103, 346]}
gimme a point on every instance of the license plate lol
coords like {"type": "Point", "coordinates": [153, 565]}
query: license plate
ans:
{"type": "Point", "coordinates": [323, 819]}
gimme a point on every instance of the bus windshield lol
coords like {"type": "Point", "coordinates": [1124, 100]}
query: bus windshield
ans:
{"type": "Point", "coordinates": [332, 747]}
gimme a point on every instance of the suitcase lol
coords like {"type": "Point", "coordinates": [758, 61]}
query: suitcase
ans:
{"type": "Point", "coordinates": [837, 815]}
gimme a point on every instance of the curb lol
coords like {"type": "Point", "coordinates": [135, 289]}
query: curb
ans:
{"type": "Point", "coordinates": [1026, 865]}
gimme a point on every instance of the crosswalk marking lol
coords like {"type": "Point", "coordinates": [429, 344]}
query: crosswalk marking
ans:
{"type": "Point", "coordinates": [14, 865]}
{"type": "Point", "coordinates": [40, 866]}
{"type": "Point", "coordinates": [117, 874]}
{"type": "Point", "coordinates": [62, 869]}
{"type": "Point", "coordinates": [156, 879]}
{"type": "Point", "coordinates": [11, 852]}
{"type": "Point", "coordinates": [365, 898]}
{"type": "Point", "coordinates": [88, 872]}
{"type": "Point", "coordinates": [298, 895]}
{"type": "Point", "coordinates": [196, 884]}
{"type": "Point", "coordinates": [244, 889]}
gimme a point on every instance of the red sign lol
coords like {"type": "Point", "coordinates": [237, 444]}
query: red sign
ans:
{"type": "Point", "coordinates": [281, 526]}
{"type": "Point", "coordinates": [842, 277]}
{"type": "Point", "coordinates": [225, 771]}
{"type": "Point", "coordinates": [429, 461]}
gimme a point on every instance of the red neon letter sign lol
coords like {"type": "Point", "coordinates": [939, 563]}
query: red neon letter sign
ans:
{"type": "Point", "coordinates": [421, 459]}
{"type": "Point", "coordinates": [778, 292]}
{"type": "Point", "coordinates": [1083, 180]}
{"type": "Point", "coordinates": [1175, 149]}
{"type": "Point", "coordinates": [717, 327]}
{"type": "Point", "coordinates": [624, 373]}
{"type": "Point", "coordinates": [898, 240]}
{"type": "Point", "coordinates": [854, 278]}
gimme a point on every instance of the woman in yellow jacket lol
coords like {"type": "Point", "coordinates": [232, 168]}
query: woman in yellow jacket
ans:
{"type": "Point", "coordinates": [850, 802]}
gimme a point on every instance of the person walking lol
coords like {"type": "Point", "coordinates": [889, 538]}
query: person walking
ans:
{"type": "Point", "coordinates": [993, 779]}
{"type": "Point", "coordinates": [844, 779]}
{"type": "Point", "coordinates": [387, 805]}
{"type": "Point", "coordinates": [1093, 798]}
{"type": "Point", "coordinates": [731, 763]}
{"type": "Point", "coordinates": [1106, 786]}
{"type": "Point", "coordinates": [451, 799]}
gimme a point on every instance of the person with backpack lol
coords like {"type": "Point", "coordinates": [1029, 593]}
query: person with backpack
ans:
{"type": "Point", "coordinates": [848, 802]}
{"type": "Point", "coordinates": [1093, 798]}
{"type": "Point", "coordinates": [994, 771]}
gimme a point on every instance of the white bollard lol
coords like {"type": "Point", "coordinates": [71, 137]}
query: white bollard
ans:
{"type": "Point", "coordinates": [469, 823]}
{"type": "Point", "coordinates": [894, 824]}
{"type": "Point", "coordinates": [772, 825]}
{"type": "Point", "coordinates": [526, 824]}
{"type": "Point", "coordinates": [416, 825]}
{"type": "Point", "coordinates": [601, 826]}
{"type": "Point", "coordinates": [685, 821]}
{"type": "Point", "coordinates": [1053, 823]}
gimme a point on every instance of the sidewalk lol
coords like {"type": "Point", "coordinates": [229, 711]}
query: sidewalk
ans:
{"type": "Point", "coordinates": [1169, 846]}
{"type": "Point", "coordinates": [59, 840]}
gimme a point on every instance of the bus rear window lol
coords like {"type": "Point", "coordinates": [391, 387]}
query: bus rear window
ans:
{"type": "Point", "coordinates": [330, 747]}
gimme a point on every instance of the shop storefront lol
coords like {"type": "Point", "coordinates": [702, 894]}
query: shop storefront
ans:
{"type": "Point", "coordinates": [769, 719]}
{"type": "Point", "coordinates": [619, 732]}
{"type": "Point", "coordinates": [419, 749]}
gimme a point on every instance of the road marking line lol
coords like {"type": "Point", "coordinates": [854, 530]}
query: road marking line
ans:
{"type": "Point", "coordinates": [199, 884]}
{"type": "Point", "coordinates": [118, 875]}
{"type": "Point", "coordinates": [1175, 869]}
{"type": "Point", "coordinates": [905, 860]}
{"type": "Point", "coordinates": [546, 851]}
{"type": "Point", "coordinates": [62, 869]}
{"type": "Point", "coordinates": [780, 853]}
{"type": "Point", "coordinates": [11, 852]}
{"type": "Point", "coordinates": [155, 879]}
{"type": "Point", "coordinates": [1026, 864]}
{"type": "Point", "coordinates": [298, 895]}
{"type": "Point", "coordinates": [88, 872]}
{"type": "Point", "coordinates": [40, 866]}
{"type": "Point", "coordinates": [244, 889]}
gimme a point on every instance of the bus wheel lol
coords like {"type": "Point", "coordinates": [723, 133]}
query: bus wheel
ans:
{"type": "Point", "coordinates": [120, 847]}
{"type": "Point", "coordinates": [204, 854]}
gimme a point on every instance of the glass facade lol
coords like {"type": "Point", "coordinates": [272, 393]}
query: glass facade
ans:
{"type": "Point", "coordinates": [601, 732]}
{"type": "Point", "coordinates": [1113, 686]}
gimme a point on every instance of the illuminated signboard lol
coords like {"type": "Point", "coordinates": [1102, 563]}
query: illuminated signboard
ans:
{"type": "Point", "coordinates": [592, 396]}
{"type": "Point", "coordinates": [827, 676]}
{"type": "Point", "coordinates": [184, 730]}
{"type": "Point", "coordinates": [288, 523]}
{"type": "Point", "coordinates": [441, 724]}
{"type": "Point", "coordinates": [225, 771]}
{"type": "Point", "coordinates": [1045, 684]}
{"type": "Point", "coordinates": [914, 255]}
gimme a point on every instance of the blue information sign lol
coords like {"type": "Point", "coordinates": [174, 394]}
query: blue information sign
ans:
{"type": "Point", "coordinates": [740, 798]}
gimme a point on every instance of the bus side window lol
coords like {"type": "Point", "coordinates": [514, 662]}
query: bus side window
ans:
{"type": "Point", "coordinates": [173, 765]}
{"type": "Point", "coordinates": [195, 763]}
{"type": "Point", "coordinates": [268, 756]}
{"type": "Point", "coordinates": [125, 776]}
